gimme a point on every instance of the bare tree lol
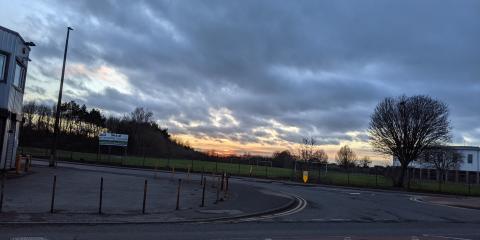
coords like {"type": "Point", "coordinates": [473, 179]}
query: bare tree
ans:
{"type": "Point", "coordinates": [404, 127]}
{"type": "Point", "coordinates": [307, 149]}
{"type": "Point", "coordinates": [442, 158]}
{"type": "Point", "coordinates": [365, 162]}
{"type": "Point", "coordinates": [346, 158]}
{"type": "Point", "coordinates": [319, 156]}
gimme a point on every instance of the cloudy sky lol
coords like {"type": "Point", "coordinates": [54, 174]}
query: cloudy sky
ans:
{"type": "Point", "coordinates": [257, 76]}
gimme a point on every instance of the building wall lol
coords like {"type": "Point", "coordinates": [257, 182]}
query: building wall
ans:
{"type": "Point", "coordinates": [465, 166]}
{"type": "Point", "coordinates": [11, 97]}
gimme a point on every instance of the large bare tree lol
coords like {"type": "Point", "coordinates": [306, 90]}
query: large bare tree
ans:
{"type": "Point", "coordinates": [404, 127]}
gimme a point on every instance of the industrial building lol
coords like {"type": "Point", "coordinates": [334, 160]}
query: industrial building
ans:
{"type": "Point", "coordinates": [470, 159]}
{"type": "Point", "coordinates": [14, 52]}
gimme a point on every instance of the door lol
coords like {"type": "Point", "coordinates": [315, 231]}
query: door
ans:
{"type": "Point", "coordinates": [10, 156]}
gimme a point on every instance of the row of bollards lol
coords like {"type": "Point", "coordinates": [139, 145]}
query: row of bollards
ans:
{"type": "Point", "coordinates": [221, 186]}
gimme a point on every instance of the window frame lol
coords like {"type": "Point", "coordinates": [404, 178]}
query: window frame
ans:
{"type": "Point", "coordinates": [23, 71]}
{"type": "Point", "coordinates": [3, 79]}
{"type": "Point", "coordinates": [470, 158]}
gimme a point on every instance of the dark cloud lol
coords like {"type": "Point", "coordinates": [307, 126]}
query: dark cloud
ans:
{"type": "Point", "coordinates": [318, 66]}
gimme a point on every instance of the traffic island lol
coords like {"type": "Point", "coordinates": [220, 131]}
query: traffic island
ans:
{"type": "Point", "coordinates": [91, 196]}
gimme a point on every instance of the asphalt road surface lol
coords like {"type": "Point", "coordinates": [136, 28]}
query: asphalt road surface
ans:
{"type": "Point", "coordinates": [330, 213]}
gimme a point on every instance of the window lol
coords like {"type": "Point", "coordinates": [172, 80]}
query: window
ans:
{"type": "Point", "coordinates": [470, 158]}
{"type": "Point", "coordinates": [19, 76]}
{"type": "Point", "coordinates": [3, 66]}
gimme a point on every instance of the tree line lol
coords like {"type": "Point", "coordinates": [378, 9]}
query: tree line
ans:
{"type": "Point", "coordinates": [80, 127]}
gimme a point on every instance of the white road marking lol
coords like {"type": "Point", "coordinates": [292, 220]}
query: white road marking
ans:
{"type": "Point", "coordinates": [300, 206]}
{"type": "Point", "coordinates": [28, 238]}
{"type": "Point", "coordinates": [446, 237]}
{"type": "Point", "coordinates": [354, 193]}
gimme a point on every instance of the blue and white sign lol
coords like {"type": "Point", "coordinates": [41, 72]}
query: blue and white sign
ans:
{"type": "Point", "coordinates": [113, 139]}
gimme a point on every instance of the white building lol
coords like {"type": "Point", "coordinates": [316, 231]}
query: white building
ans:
{"type": "Point", "coordinates": [14, 59]}
{"type": "Point", "coordinates": [471, 159]}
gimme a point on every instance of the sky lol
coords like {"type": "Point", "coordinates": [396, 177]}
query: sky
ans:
{"type": "Point", "coordinates": [256, 76]}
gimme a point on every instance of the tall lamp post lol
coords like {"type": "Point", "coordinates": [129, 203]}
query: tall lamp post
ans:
{"type": "Point", "coordinates": [56, 129]}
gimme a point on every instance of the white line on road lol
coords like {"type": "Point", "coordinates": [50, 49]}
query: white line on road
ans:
{"type": "Point", "coordinates": [446, 237]}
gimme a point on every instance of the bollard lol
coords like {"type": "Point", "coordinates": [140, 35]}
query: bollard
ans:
{"type": "Point", "coordinates": [101, 196]}
{"type": "Point", "coordinates": [203, 192]}
{"type": "Point", "coordinates": [225, 195]}
{"type": "Point", "coordinates": [226, 185]}
{"type": "Point", "coordinates": [144, 196]}
{"type": "Point", "coordinates": [178, 194]}
{"type": "Point", "coordinates": [188, 174]}
{"type": "Point", "coordinates": [201, 178]}
{"type": "Point", "coordinates": [2, 190]}
{"type": "Point", "coordinates": [53, 193]}
{"type": "Point", "coordinates": [218, 192]}
{"type": "Point", "coordinates": [222, 182]}
{"type": "Point", "coordinates": [173, 172]}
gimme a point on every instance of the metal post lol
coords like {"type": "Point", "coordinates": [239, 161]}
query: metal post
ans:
{"type": "Point", "coordinates": [2, 190]}
{"type": "Point", "coordinates": [101, 196]}
{"type": "Point", "coordinates": [53, 193]}
{"type": "Point", "coordinates": [178, 194]}
{"type": "Point", "coordinates": [218, 191]}
{"type": "Point", "coordinates": [203, 191]}
{"type": "Point", "coordinates": [221, 183]}
{"type": "Point", "coordinates": [376, 177]}
{"type": "Point", "coordinates": [56, 129]}
{"type": "Point", "coordinates": [226, 185]}
{"type": "Point", "coordinates": [144, 196]}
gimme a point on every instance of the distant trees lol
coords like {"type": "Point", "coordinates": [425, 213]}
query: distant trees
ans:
{"type": "Point", "coordinates": [80, 127]}
{"type": "Point", "coordinates": [365, 162]}
{"type": "Point", "coordinates": [306, 149]}
{"type": "Point", "coordinates": [404, 127]}
{"type": "Point", "coordinates": [346, 157]}
{"type": "Point", "coordinates": [309, 151]}
{"type": "Point", "coordinates": [285, 158]}
{"type": "Point", "coordinates": [319, 156]}
{"type": "Point", "coordinates": [74, 119]}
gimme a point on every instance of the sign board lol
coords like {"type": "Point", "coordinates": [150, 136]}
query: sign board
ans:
{"type": "Point", "coordinates": [305, 176]}
{"type": "Point", "coordinates": [113, 139]}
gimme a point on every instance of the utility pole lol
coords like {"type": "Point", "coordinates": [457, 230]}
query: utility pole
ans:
{"type": "Point", "coordinates": [56, 129]}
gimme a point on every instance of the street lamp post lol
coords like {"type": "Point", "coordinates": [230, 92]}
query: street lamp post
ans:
{"type": "Point", "coordinates": [56, 129]}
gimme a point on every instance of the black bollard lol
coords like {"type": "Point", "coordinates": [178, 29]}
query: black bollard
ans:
{"type": "Point", "coordinates": [101, 196]}
{"type": "Point", "coordinates": [222, 182]}
{"type": "Point", "coordinates": [218, 192]}
{"type": "Point", "coordinates": [53, 193]}
{"type": "Point", "coordinates": [203, 192]}
{"type": "Point", "coordinates": [144, 196]}
{"type": "Point", "coordinates": [226, 185]}
{"type": "Point", "coordinates": [178, 194]}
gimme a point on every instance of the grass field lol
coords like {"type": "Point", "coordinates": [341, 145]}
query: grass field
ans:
{"type": "Point", "coordinates": [329, 177]}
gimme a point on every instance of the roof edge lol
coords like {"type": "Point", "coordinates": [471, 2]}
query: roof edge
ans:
{"type": "Point", "coordinates": [14, 33]}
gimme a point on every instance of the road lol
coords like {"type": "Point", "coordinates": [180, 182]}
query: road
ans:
{"type": "Point", "coordinates": [331, 213]}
